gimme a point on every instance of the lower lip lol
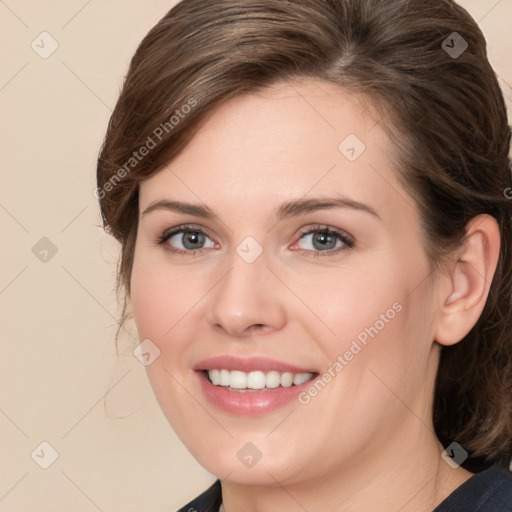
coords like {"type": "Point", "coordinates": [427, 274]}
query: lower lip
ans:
{"type": "Point", "coordinates": [251, 402]}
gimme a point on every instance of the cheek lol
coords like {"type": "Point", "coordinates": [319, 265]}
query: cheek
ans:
{"type": "Point", "coordinates": [378, 315]}
{"type": "Point", "coordinates": [380, 350]}
{"type": "Point", "coordinates": [161, 298]}
{"type": "Point", "coordinates": [344, 302]}
{"type": "Point", "coordinates": [149, 303]}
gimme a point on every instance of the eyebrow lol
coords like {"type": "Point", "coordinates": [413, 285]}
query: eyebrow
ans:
{"type": "Point", "coordinates": [197, 210]}
{"type": "Point", "coordinates": [302, 206]}
{"type": "Point", "coordinates": [292, 208]}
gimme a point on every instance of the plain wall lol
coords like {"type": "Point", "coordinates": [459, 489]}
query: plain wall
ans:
{"type": "Point", "coordinates": [61, 380]}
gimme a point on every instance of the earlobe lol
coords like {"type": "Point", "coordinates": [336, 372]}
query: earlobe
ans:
{"type": "Point", "coordinates": [467, 280]}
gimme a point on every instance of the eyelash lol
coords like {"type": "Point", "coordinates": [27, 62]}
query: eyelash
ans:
{"type": "Point", "coordinates": [348, 242]}
{"type": "Point", "coordinates": [185, 228]}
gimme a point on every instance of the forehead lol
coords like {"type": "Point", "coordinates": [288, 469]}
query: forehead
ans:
{"type": "Point", "coordinates": [289, 140]}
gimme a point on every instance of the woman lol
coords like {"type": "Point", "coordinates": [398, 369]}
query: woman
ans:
{"type": "Point", "coordinates": [311, 201]}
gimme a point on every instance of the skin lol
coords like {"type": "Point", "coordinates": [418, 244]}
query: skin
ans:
{"type": "Point", "coordinates": [367, 437]}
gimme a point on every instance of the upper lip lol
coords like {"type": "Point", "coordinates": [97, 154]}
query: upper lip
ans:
{"type": "Point", "coordinates": [248, 364]}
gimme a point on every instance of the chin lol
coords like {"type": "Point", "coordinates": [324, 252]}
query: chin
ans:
{"type": "Point", "coordinates": [257, 462]}
{"type": "Point", "coordinates": [268, 473]}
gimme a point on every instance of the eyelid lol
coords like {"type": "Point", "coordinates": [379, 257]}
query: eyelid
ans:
{"type": "Point", "coordinates": [330, 229]}
{"type": "Point", "coordinates": [185, 228]}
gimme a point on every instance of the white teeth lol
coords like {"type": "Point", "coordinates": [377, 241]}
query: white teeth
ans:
{"type": "Point", "coordinates": [224, 377]}
{"type": "Point", "coordinates": [236, 379]}
{"type": "Point", "coordinates": [273, 379]}
{"type": "Point", "coordinates": [256, 380]}
{"type": "Point", "coordinates": [300, 378]}
{"type": "Point", "coordinates": [286, 379]}
{"type": "Point", "coordinates": [215, 377]}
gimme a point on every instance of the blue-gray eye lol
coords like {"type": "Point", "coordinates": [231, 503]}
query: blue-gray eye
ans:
{"type": "Point", "coordinates": [188, 239]}
{"type": "Point", "coordinates": [323, 240]}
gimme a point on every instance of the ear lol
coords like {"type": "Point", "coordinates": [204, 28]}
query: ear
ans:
{"type": "Point", "coordinates": [465, 282]}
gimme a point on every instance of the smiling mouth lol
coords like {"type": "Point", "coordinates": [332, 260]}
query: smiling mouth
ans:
{"type": "Point", "coordinates": [236, 380]}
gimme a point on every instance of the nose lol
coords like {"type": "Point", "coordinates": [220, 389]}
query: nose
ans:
{"type": "Point", "coordinates": [247, 300]}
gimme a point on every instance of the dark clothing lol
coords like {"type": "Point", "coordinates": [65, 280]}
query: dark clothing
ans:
{"type": "Point", "coordinates": [488, 491]}
{"type": "Point", "coordinates": [209, 501]}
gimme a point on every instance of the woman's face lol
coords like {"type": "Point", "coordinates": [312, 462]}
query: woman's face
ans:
{"type": "Point", "coordinates": [302, 260]}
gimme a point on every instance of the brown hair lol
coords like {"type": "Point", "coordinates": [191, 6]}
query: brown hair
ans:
{"type": "Point", "coordinates": [444, 111]}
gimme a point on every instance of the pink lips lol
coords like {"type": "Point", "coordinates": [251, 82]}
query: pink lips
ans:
{"type": "Point", "coordinates": [253, 402]}
{"type": "Point", "coordinates": [249, 364]}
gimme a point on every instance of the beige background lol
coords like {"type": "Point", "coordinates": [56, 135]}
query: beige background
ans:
{"type": "Point", "coordinates": [61, 381]}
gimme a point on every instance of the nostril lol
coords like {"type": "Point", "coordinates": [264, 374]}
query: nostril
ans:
{"type": "Point", "coordinates": [257, 327]}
